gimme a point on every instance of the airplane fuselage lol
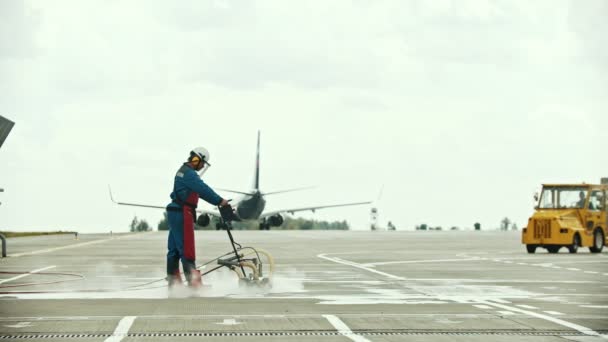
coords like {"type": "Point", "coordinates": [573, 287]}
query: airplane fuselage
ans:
{"type": "Point", "coordinates": [251, 207]}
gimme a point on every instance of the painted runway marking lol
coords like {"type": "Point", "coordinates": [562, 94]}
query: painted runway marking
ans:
{"type": "Point", "coordinates": [506, 313]}
{"type": "Point", "coordinates": [544, 265]}
{"type": "Point", "coordinates": [122, 329]}
{"type": "Point", "coordinates": [527, 307]}
{"type": "Point", "coordinates": [20, 325]}
{"type": "Point", "coordinates": [26, 274]}
{"type": "Point", "coordinates": [343, 329]}
{"type": "Point", "coordinates": [594, 306]}
{"type": "Point", "coordinates": [354, 264]}
{"type": "Point", "coordinates": [483, 307]}
{"type": "Point", "coordinates": [500, 301]}
{"type": "Point", "coordinates": [373, 264]}
{"type": "Point", "coordinates": [577, 327]}
{"type": "Point", "coordinates": [48, 250]}
{"type": "Point", "coordinates": [229, 321]}
{"type": "Point", "coordinates": [555, 313]}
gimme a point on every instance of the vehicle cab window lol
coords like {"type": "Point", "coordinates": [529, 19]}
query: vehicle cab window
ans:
{"type": "Point", "coordinates": [597, 200]}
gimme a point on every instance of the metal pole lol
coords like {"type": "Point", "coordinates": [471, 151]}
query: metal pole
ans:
{"type": "Point", "coordinates": [3, 245]}
{"type": "Point", "coordinates": [238, 258]}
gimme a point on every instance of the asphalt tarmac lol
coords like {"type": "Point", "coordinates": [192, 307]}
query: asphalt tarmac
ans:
{"type": "Point", "coordinates": [327, 286]}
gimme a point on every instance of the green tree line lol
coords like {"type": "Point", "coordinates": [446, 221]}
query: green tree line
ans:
{"type": "Point", "coordinates": [138, 225]}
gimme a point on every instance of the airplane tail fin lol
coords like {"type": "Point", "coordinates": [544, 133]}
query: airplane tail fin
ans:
{"type": "Point", "coordinates": [256, 181]}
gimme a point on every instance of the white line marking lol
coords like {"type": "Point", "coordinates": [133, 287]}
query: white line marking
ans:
{"type": "Point", "coordinates": [366, 282]}
{"type": "Point", "coordinates": [126, 277]}
{"type": "Point", "coordinates": [500, 301]}
{"type": "Point", "coordinates": [343, 329]}
{"type": "Point", "coordinates": [594, 306]}
{"type": "Point", "coordinates": [60, 248]}
{"type": "Point", "coordinates": [506, 313]}
{"type": "Point", "coordinates": [26, 274]}
{"type": "Point", "coordinates": [555, 313]}
{"type": "Point", "coordinates": [591, 272]}
{"type": "Point", "coordinates": [573, 269]}
{"type": "Point", "coordinates": [122, 329]}
{"type": "Point", "coordinates": [349, 263]}
{"type": "Point", "coordinates": [373, 264]}
{"type": "Point", "coordinates": [483, 307]}
{"type": "Point", "coordinates": [20, 325]}
{"type": "Point", "coordinates": [527, 307]}
{"type": "Point", "coordinates": [229, 321]}
{"type": "Point", "coordinates": [577, 327]}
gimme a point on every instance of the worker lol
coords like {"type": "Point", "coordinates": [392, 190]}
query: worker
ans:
{"type": "Point", "coordinates": [181, 213]}
{"type": "Point", "coordinates": [581, 202]}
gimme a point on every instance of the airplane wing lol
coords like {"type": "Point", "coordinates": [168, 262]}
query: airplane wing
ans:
{"type": "Point", "coordinates": [313, 209]}
{"type": "Point", "coordinates": [214, 213]}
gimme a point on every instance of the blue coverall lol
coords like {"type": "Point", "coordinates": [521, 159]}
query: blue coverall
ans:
{"type": "Point", "coordinates": [181, 214]}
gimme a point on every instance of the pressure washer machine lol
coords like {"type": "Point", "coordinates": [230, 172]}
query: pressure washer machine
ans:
{"type": "Point", "coordinates": [253, 266]}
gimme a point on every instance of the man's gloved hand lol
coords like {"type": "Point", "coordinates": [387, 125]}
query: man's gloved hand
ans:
{"type": "Point", "coordinates": [228, 213]}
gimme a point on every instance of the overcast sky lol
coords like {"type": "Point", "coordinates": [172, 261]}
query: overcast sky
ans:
{"type": "Point", "coordinates": [461, 109]}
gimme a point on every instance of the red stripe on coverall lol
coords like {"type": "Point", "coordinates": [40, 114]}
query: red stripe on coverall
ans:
{"type": "Point", "coordinates": [189, 217]}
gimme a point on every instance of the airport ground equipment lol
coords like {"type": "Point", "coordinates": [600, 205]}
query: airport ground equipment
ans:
{"type": "Point", "coordinates": [569, 215]}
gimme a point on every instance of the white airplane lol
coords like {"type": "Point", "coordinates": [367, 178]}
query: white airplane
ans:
{"type": "Point", "coordinates": [251, 206]}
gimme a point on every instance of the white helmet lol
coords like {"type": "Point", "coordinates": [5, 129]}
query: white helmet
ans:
{"type": "Point", "coordinates": [200, 154]}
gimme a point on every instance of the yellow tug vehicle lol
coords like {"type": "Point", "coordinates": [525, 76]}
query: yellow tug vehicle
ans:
{"type": "Point", "coordinates": [569, 215]}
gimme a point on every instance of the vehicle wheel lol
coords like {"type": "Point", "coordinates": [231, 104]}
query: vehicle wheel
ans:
{"type": "Point", "coordinates": [553, 249]}
{"type": "Point", "coordinates": [598, 241]}
{"type": "Point", "coordinates": [576, 243]}
{"type": "Point", "coordinates": [531, 248]}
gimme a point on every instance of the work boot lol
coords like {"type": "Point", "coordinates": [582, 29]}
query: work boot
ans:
{"type": "Point", "coordinates": [195, 280]}
{"type": "Point", "coordinates": [174, 279]}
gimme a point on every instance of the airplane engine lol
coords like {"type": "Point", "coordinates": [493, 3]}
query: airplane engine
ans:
{"type": "Point", "coordinates": [203, 220]}
{"type": "Point", "coordinates": [275, 221]}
